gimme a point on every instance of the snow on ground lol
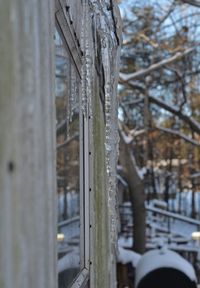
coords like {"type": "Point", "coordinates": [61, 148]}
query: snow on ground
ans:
{"type": "Point", "coordinates": [126, 242]}
{"type": "Point", "coordinates": [127, 256]}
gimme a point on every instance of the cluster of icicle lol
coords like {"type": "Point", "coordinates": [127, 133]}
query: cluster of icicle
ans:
{"type": "Point", "coordinates": [72, 81]}
{"type": "Point", "coordinates": [88, 61]}
{"type": "Point", "coordinates": [99, 15]}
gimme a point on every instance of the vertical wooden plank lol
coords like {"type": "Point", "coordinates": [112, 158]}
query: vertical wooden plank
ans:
{"type": "Point", "coordinates": [100, 232]}
{"type": "Point", "coordinates": [27, 154]}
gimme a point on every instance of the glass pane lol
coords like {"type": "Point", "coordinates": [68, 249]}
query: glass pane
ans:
{"type": "Point", "coordinates": [68, 165]}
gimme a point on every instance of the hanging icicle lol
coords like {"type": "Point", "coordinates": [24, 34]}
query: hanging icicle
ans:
{"type": "Point", "coordinates": [98, 18]}
{"type": "Point", "coordinates": [109, 56]}
{"type": "Point", "coordinates": [87, 68]}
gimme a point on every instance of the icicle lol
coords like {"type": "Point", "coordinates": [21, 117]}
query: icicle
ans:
{"type": "Point", "coordinates": [87, 68]}
{"type": "Point", "coordinates": [72, 95]}
{"type": "Point", "coordinates": [68, 99]}
{"type": "Point", "coordinates": [99, 12]}
{"type": "Point", "coordinates": [75, 91]}
{"type": "Point", "coordinates": [109, 48]}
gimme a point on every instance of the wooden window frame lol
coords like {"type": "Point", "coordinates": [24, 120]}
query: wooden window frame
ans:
{"type": "Point", "coordinates": [68, 36]}
{"type": "Point", "coordinates": [64, 26]}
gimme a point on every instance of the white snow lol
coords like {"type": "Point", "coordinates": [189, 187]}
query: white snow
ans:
{"type": "Point", "coordinates": [125, 242]}
{"type": "Point", "coordinates": [195, 175]}
{"type": "Point", "coordinates": [127, 138]}
{"type": "Point", "coordinates": [159, 203]}
{"type": "Point", "coordinates": [156, 259]}
{"type": "Point", "coordinates": [141, 172]}
{"type": "Point", "coordinates": [121, 179]}
{"type": "Point", "coordinates": [174, 215]}
{"type": "Point", "coordinates": [127, 256]}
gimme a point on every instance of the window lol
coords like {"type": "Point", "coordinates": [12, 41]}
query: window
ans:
{"type": "Point", "coordinates": [72, 162]}
{"type": "Point", "coordinates": [68, 163]}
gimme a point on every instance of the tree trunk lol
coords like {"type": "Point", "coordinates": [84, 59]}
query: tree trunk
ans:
{"type": "Point", "coordinates": [137, 196]}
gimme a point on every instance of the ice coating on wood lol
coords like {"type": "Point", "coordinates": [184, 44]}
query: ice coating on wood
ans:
{"type": "Point", "coordinates": [88, 61]}
{"type": "Point", "coordinates": [109, 53]}
{"type": "Point", "coordinates": [103, 41]}
{"type": "Point", "coordinates": [74, 95]}
{"type": "Point", "coordinates": [108, 49]}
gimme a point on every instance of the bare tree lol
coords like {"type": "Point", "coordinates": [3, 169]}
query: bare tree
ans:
{"type": "Point", "coordinates": [161, 49]}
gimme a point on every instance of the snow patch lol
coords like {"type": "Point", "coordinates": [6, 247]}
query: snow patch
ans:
{"type": "Point", "coordinates": [166, 259]}
{"type": "Point", "coordinates": [127, 256]}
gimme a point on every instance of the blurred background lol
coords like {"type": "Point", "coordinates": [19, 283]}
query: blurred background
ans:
{"type": "Point", "coordinates": [159, 125]}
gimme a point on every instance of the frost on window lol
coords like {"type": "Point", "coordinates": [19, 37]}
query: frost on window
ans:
{"type": "Point", "coordinates": [67, 85]}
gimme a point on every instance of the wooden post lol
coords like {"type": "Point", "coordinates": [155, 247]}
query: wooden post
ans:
{"type": "Point", "coordinates": [27, 145]}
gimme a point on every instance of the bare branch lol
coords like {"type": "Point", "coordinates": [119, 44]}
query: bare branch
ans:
{"type": "Point", "coordinates": [127, 139]}
{"type": "Point", "coordinates": [156, 66]}
{"type": "Point", "coordinates": [195, 3]}
{"type": "Point", "coordinates": [170, 10]}
{"type": "Point", "coordinates": [133, 84]}
{"type": "Point", "coordinates": [181, 78]}
{"type": "Point", "coordinates": [194, 125]}
{"type": "Point", "coordinates": [179, 134]}
{"type": "Point", "coordinates": [66, 142]}
{"type": "Point", "coordinates": [136, 133]}
{"type": "Point", "coordinates": [61, 127]}
{"type": "Point", "coordinates": [134, 102]}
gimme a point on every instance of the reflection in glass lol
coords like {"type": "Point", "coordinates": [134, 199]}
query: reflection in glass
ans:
{"type": "Point", "coordinates": [67, 84]}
